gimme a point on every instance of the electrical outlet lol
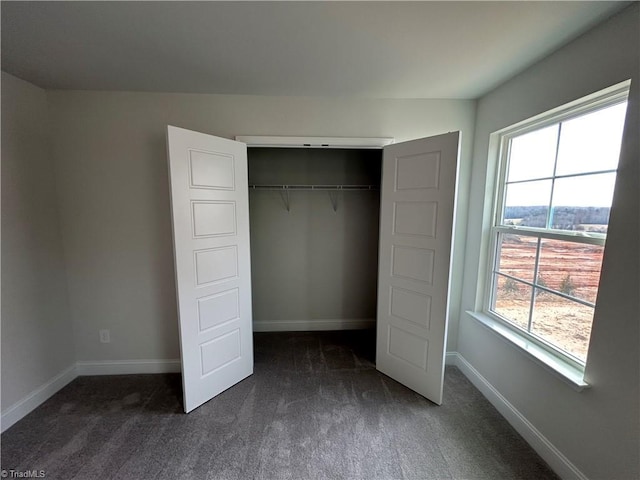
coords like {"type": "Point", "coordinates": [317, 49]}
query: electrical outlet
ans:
{"type": "Point", "coordinates": [105, 336]}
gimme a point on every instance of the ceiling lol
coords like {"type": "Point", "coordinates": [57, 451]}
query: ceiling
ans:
{"type": "Point", "coordinates": [364, 49]}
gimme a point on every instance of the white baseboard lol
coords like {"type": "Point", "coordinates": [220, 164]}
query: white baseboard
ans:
{"type": "Point", "coordinates": [23, 407]}
{"type": "Point", "coordinates": [312, 325]}
{"type": "Point", "coordinates": [38, 396]}
{"type": "Point", "coordinates": [554, 457]}
{"type": "Point", "coordinates": [451, 358]}
{"type": "Point", "coordinates": [128, 367]}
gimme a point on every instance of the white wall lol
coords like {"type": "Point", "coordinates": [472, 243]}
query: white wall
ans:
{"type": "Point", "coordinates": [109, 150]}
{"type": "Point", "coordinates": [37, 338]}
{"type": "Point", "coordinates": [596, 430]}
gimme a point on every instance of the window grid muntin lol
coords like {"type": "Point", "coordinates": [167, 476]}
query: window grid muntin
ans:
{"type": "Point", "coordinates": [550, 206]}
{"type": "Point", "coordinates": [540, 342]}
{"type": "Point", "coordinates": [536, 272]}
{"type": "Point", "coordinates": [591, 238]}
{"type": "Point", "coordinates": [586, 303]}
{"type": "Point", "coordinates": [505, 171]}
{"type": "Point", "coordinates": [617, 96]}
{"type": "Point", "coordinates": [554, 349]}
{"type": "Point", "coordinates": [566, 175]}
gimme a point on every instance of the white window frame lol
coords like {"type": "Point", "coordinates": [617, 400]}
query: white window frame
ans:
{"type": "Point", "coordinates": [552, 357]}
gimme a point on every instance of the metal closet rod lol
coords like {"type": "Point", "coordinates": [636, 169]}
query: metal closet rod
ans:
{"type": "Point", "coordinates": [331, 189]}
{"type": "Point", "coordinates": [314, 187]}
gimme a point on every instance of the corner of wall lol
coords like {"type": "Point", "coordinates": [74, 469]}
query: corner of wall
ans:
{"type": "Point", "coordinates": [37, 339]}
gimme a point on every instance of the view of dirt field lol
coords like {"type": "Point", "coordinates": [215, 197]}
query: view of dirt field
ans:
{"type": "Point", "coordinates": [563, 267]}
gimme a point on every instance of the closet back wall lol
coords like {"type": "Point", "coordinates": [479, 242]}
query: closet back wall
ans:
{"type": "Point", "coordinates": [109, 150]}
{"type": "Point", "coordinates": [314, 268]}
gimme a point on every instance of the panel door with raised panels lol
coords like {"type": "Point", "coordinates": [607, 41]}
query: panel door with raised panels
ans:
{"type": "Point", "coordinates": [210, 215]}
{"type": "Point", "coordinates": [416, 220]}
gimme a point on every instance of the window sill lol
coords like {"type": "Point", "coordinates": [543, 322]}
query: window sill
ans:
{"type": "Point", "coordinates": [573, 376]}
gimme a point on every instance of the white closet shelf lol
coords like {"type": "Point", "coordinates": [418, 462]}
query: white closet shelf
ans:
{"type": "Point", "coordinates": [331, 189]}
{"type": "Point", "coordinates": [314, 187]}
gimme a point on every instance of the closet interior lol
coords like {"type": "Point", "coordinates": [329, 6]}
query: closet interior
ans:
{"type": "Point", "coordinates": [314, 220]}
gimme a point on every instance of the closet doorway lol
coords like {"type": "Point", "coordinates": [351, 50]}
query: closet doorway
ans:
{"type": "Point", "coordinates": [210, 214]}
{"type": "Point", "coordinates": [314, 220]}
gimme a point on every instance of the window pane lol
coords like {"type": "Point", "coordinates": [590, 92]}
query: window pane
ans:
{"type": "Point", "coordinates": [592, 142]}
{"type": "Point", "coordinates": [512, 300]}
{"type": "Point", "coordinates": [527, 204]}
{"type": "Point", "coordinates": [571, 268]}
{"type": "Point", "coordinates": [517, 255]}
{"type": "Point", "coordinates": [532, 155]}
{"type": "Point", "coordinates": [582, 203]}
{"type": "Point", "coordinates": [563, 323]}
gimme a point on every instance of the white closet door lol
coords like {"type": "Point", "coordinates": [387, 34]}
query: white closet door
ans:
{"type": "Point", "coordinates": [416, 220]}
{"type": "Point", "coordinates": [210, 213]}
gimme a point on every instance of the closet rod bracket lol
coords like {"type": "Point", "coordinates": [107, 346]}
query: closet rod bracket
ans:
{"type": "Point", "coordinates": [284, 193]}
{"type": "Point", "coordinates": [333, 197]}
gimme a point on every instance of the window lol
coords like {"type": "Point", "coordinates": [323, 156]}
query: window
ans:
{"type": "Point", "coordinates": [554, 190]}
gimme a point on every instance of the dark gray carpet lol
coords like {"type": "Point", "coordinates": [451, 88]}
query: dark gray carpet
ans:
{"type": "Point", "coordinates": [315, 408]}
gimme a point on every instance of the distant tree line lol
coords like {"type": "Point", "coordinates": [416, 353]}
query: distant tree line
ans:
{"type": "Point", "coordinates": [566, 218]}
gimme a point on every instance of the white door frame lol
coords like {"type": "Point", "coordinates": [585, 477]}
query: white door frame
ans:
{"type": "Point", "coordinates": [359, 143]}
